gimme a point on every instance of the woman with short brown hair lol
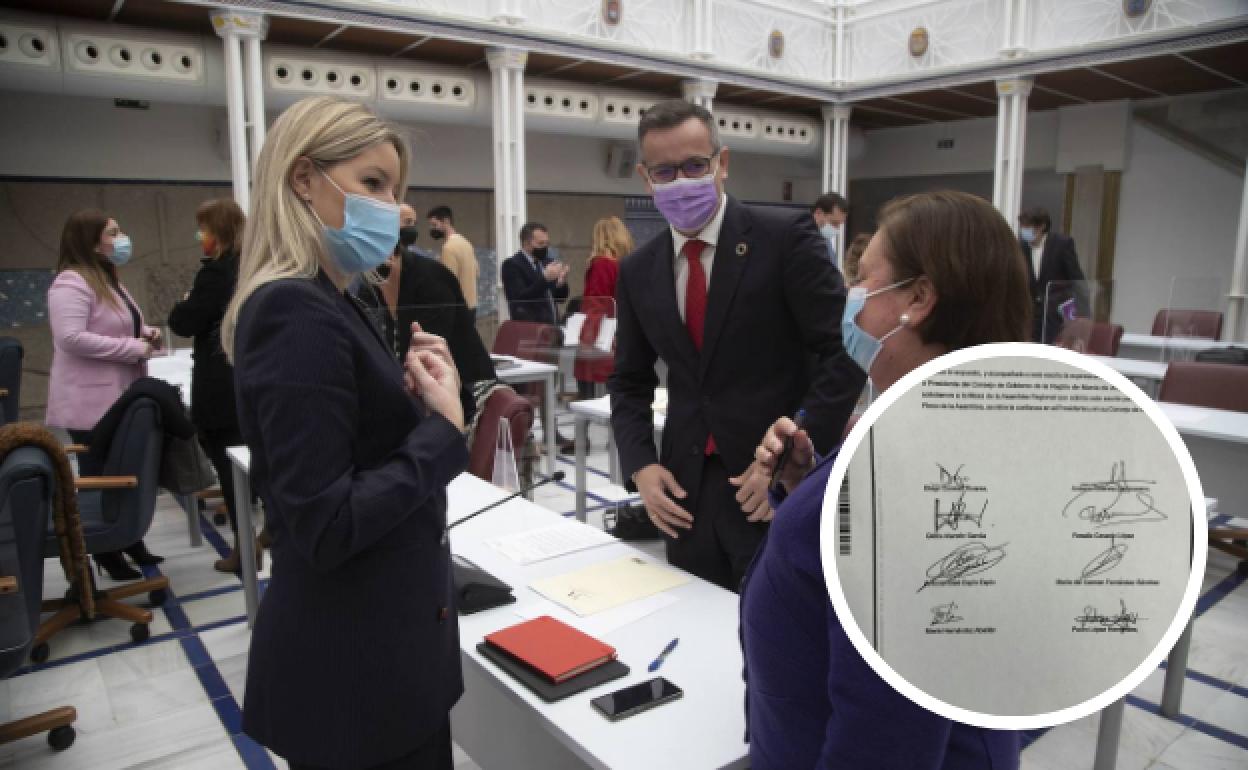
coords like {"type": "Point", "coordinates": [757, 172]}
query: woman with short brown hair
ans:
{"type": "Point", "coordinates": [199, 315]}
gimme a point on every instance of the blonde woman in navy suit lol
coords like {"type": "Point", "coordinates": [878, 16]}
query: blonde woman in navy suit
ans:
{"type": "Point", "coordinates": [354, 658]}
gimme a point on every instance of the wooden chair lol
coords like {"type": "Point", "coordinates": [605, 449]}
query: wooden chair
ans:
{"type": "Point", "coordinates": [1215, 386]}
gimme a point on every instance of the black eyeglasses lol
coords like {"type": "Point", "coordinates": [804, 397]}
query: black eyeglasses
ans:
{"type": "Point", "coordinates": [693, 168]}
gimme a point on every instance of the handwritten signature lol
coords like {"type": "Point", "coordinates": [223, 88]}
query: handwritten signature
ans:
{"type": "Point", "coordinates": [956, 513]}
{"type": "Point", "coordinates": [1092, 617]}
{"type": "Point", "coordinates": [1119, 486]}
{"type": "Point", "coordinates": [1105, 560]}
{"type": "Point", "coordinates": [952, 482]}
{"type": "Point", "coordinates": [964, 560]}
{"type": "Point", "coordinates": [945, 613]}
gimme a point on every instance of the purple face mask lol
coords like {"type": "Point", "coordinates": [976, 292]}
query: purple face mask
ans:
{"type": "Point", "coordinates": [687, 204]}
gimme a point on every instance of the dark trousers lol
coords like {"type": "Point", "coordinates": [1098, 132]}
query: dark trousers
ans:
{"type": "Point", "coordinates": [215, 442]}
{"type": "Point", "coordinates": [433, 754]}
{"type": "Point", "coordinates": [722, 543]}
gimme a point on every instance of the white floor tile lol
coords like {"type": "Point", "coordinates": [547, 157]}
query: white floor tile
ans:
{"type": "Point", "coordinates": [1196, 750]}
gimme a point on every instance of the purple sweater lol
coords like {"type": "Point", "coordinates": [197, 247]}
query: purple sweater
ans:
{"type": "Point", "coordinates": [811, 700]}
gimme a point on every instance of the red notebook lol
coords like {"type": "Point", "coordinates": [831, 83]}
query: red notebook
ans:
{"type": "Point", "coordinates": [554, 649]}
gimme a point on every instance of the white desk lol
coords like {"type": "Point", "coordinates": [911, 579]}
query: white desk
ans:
{"type": "Point", "coordinates": [1134, 368]}
{"type": "Point", "coordinates": [501, 724]}
{"type": "Point", "coordinates": [1149, 347]}
{"type": "Point", "coordinates": [535, 371]}
{"type": "Point", "coordinates": [240, 460]}
{"type": "Point", "coordinates": [598, 411]}
{"type": "Point", "coordinates": [1218, 442]}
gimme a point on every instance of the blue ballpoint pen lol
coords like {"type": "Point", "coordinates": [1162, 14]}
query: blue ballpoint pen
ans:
{"type": "Point", "coordinates": [654, 666]}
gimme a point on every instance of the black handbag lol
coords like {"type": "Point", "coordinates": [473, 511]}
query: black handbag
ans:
{"type": "Point", "coordinates": [1227, 355]}
{"type": "Point", "coordinates": [184, 467]}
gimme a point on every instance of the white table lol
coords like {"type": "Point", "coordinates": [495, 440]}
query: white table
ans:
{"type": "Point", "coordinates": [598, 411]}
{"type": "Point", "coordinates": [1134, 368]}
{"type": "Point", "coordinates": [501, 724]}
{"type": "Point", "coordinates": [1150, 347]}
{"type": "Point", "coordinates": [535, 371]}
{"type": "Point", "coordinates": [240, 460]}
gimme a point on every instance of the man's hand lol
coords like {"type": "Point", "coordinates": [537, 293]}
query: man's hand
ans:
{"type": "Point", "coordinates": [551, 271]}
{"type": "Point", "coordinates": [801, 456]}
{"type": "Point", "coordinates": [752, 493]}
{"type": "Point", "coordinates": [656, 484]}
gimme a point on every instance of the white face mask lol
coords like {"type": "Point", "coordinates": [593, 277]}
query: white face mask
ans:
{"type": "Point", "coordinates": [829, 231]}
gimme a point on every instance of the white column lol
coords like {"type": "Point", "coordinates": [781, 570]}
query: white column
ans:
{"type": "Point", "coordinates": [836, 155]}
{"type": "Point", "coordinates": [507, 91]}
{"type": "Point", "coordinates": [700, 91]}
{"type": "Point", "coordinates": [1237, 312]}
{"type": "Point", "coordinates": [255, 95]}
{"type": "Point", "coordinates": [1007, 180]}
{"type": "Point", "coordinates": [234, 27]}
{"type": "Point", "coordinates": [1015, 29]}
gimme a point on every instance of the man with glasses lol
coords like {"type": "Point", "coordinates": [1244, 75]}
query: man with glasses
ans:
{"type": "Point", "coordinates": [745, 309]}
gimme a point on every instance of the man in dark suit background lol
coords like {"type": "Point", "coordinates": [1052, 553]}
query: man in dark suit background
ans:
{"type": "Point", "coordinates": [744, 307]}
{"type": "Point", "coordinates": [1050, 258]}
{"type": "Point", "coordinates": [532, 281]}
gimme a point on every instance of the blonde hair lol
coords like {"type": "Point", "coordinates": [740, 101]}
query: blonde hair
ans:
{"type": "Point", "coordinates": [611, 238]}
{"type": "Point", "coordinates": [283, 239]}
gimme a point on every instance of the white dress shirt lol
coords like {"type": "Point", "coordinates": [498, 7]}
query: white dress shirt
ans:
{"type": "Point", "coordinates": [1037, 254]}
{"type": "Point", "coordinates": [708, 235]}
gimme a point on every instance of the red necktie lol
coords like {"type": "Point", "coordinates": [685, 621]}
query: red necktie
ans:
{"type": "Point", "coordinates": [695, 304]}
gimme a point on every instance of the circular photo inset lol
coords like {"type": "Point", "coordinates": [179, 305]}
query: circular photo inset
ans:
{"type": "Point", "coordinates": [1008, 536]}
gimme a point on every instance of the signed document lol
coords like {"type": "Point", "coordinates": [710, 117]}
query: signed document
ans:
{"type": "Point", "coordinates": [1013, 536]}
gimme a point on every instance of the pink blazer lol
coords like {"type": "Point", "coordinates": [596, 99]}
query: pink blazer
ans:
{"type": "Point", "coordinates": [95, 354]}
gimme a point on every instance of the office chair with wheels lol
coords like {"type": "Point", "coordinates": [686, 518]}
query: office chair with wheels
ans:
{"type": "Point", "coordinates": [27, 487]}
{"type": "Point", "coordinates": [116, 509]}
{"type": "Point", "coordinates": [11, 353]}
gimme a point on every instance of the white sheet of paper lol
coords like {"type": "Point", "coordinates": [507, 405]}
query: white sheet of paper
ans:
{"type": "Point", "coordinates": [603, 623]}
{"type": "Point", "coordinates": [610, 584]}
{"type": "Point", "coordinates": [572, 330]}
{"type": "Point", "coordinates": [1014, 515]}
{"type": "Point", "coordinates": [544, 543]}
{"type": "Point", "coordinates": [606, 335]}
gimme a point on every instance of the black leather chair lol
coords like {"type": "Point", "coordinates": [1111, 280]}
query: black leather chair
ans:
{"type": "Point", "coordinates": [11, 353]}
{"type": "Point", "coordinates": [27, 484]}
{"type": "Point", "coordinates": [116, 509]}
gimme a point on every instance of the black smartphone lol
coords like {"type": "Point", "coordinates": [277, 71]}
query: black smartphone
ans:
{"type": "Point", "coordinates": [636, 699]}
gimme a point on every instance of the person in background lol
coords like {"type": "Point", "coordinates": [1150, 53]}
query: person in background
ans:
{"type": "Point", "coordinates": [743, 306]}
{"type": "Point", "coordinates": [853, 255]}
{"type": "Point", "coordinates": [611, 243]}
{"type": "Point", "coordinates": [413, 289]}
{"type": "Point", "coordinates": [354, 659]}
{"type": "Point", "coordinates": [940, 274]}
{"type": "Point", "coordinates": [198, 315]}
{"type": "Point", "coordinates": [409, 231]}
{"type": "Point", "coordinates": [830, 211]}
{"type": "Point", "coordinates": [1050, 259]}
{"type": "Point", "coordinates": [532, 281]}
{"type": "Point", "coordinates": [457, 253]}
{"type": "Point", "coordinates": [100, 345]}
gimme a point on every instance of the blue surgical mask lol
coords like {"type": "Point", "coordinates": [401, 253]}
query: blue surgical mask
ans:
{"type": "Point", "coordinates": [369, 231]}
{"type": "Point", "coordinates": [122, 250]}
{"type": "Point", "coordinates": [829, 231]}
{"type": "Point", "coordinates": [1028, 234]}
{"type": "Point", "coordinates": [860, 345]}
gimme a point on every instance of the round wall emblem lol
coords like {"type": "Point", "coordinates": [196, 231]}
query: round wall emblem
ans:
{"type": "Point", "coordinates": [612, 11]}
{"type": "Point", "coordinates": [918, 42]}
{"type": "Point", "coordinates": [1133, 9]}
{"type": "Point", "coordinates": [775, 44]}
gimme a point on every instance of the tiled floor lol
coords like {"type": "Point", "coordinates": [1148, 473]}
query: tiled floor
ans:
{"type": "Point", "coordinates": [174, 701]}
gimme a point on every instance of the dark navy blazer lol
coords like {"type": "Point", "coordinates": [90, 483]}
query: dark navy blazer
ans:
{"type": "Point", "coordinates": [355, 653]}
{"type": "Point", "coordinates": [811, 700]}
